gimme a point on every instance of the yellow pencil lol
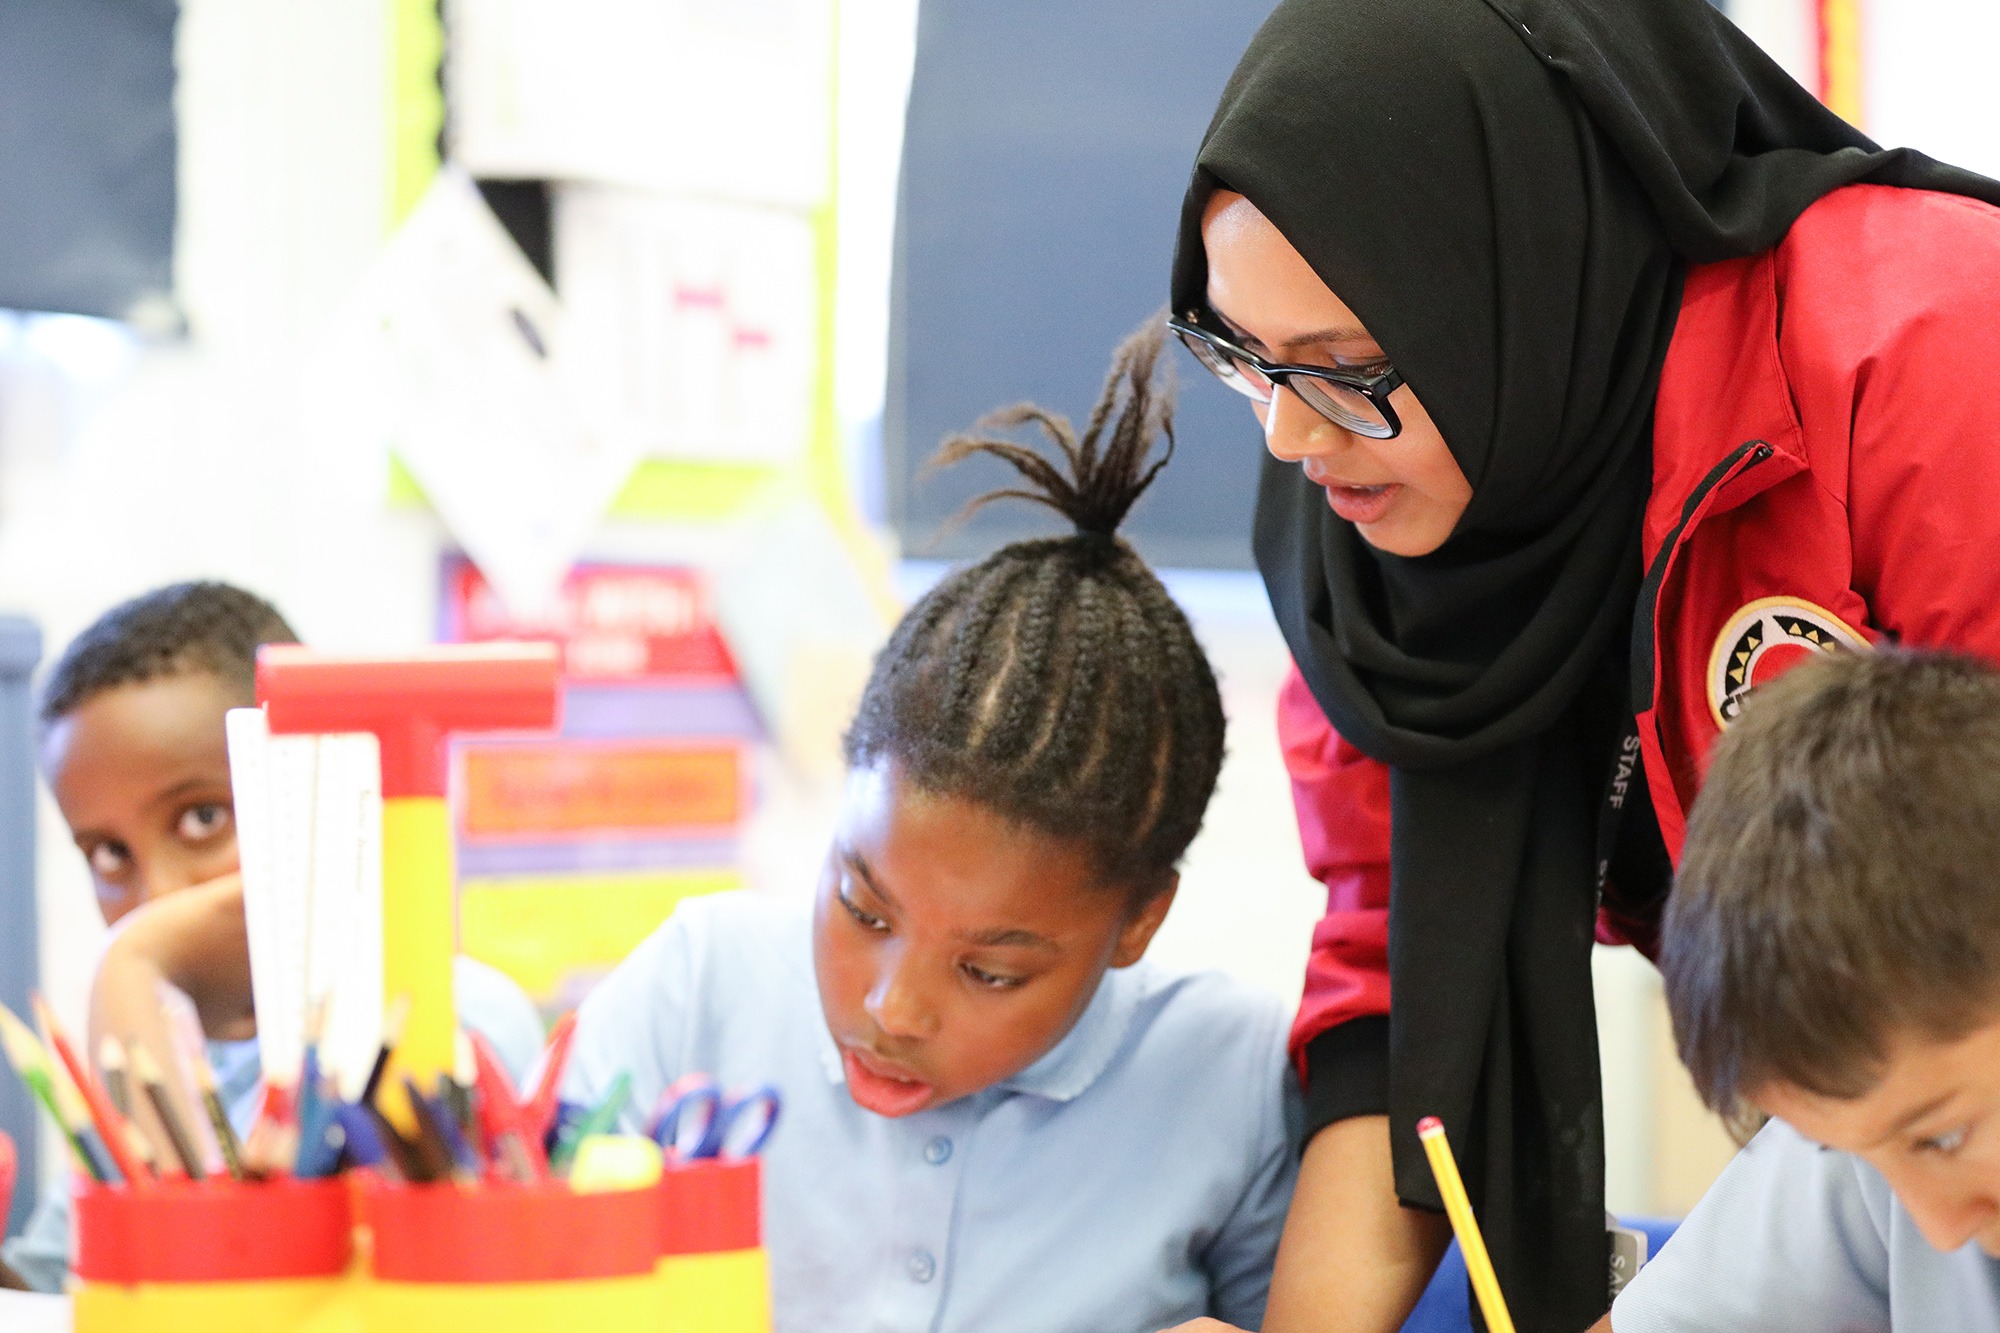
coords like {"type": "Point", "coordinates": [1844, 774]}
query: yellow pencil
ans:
{"type": "Point", "coordinates": [1485, 1284]}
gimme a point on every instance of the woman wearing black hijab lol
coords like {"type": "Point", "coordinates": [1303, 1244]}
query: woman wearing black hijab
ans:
{"type": "Point", "coordinates": [1601, 377]}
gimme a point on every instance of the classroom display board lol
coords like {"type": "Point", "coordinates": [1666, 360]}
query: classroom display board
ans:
{"type": "Point", "coordinates": [572, 848]}
{"type": "Point", "coordinates": [1047, 152]}
{"type": "Point", "coordinates": [87, 117]}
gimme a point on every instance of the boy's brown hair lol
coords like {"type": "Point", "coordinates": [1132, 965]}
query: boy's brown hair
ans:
{"type": "Point", "coordinates": [1841, 878]}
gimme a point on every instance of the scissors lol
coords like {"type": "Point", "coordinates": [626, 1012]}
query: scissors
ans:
{"type": "Point", "coordinates": [696, 1119]}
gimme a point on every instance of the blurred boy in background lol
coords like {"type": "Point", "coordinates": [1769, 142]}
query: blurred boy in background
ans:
{"type": "Point", "coordinates": [134, 752]}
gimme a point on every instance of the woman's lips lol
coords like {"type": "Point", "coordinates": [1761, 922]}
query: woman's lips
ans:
{"type": "Point", "coordinates": [1361, 505]}
{"type": "Point", "coordinates": [881, 1087]}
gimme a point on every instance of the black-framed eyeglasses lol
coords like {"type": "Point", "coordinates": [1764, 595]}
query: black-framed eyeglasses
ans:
{"type": "Point", "coordinates": [1349, 399]}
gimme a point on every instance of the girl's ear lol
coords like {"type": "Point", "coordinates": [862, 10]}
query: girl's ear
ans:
{"type": "Point", "coordinates": [1138, 929]}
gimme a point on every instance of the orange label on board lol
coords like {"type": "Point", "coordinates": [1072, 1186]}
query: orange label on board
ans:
{"type": "Point", "coordinates": [564, 787]}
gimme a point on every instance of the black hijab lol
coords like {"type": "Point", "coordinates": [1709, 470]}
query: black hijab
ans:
{"type": "Point", "coordinates": [1507, 193]}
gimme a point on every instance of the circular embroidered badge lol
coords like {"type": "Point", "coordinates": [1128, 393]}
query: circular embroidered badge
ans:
{"type": "Point", "coordinates": [1765, 639]}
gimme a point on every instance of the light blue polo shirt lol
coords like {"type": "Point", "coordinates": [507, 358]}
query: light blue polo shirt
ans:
{"type": "Point", "coordinates": [1133, 1178]}
{"type": "Point", "coordinates": [1794, 1238]}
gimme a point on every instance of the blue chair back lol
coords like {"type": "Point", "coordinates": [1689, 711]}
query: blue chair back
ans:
{"type": "Point", "coordinates": [1447, 1303]}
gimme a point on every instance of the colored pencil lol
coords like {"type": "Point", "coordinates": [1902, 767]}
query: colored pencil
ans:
{"type": "Point", "coordinates": [311, 1097]}
{"type": "Point", "coordinates": [153, 1082]}
{"type": "Point", "coordinates": [400, 1151]}
{"type": "Point", "coordinates": [455, 1089]}
{"type": "Point", "coordinates": [392, 1036]}
{"type": "Point", "coordinates": [1478, 1264]}
{"type": "Point", "coordinates": [599, 1120]}
{"type": "Point", "coordinates": [32, 1064]}
{"type": "Point", "coordinates": [266, 1149]}
{"type": "Point", "coordinates": [218, 1115]}
{"type": "Point", "coordinates": [110, 1126]}
{"type": "Point", "coordinates": [452, 1155]}
{"type": "Point", "coordinates": [118, 1087]}
{"type": "Point", "coordinates": [362, 1145]}
{"type": "Point", "coordinates": [542, 1106]}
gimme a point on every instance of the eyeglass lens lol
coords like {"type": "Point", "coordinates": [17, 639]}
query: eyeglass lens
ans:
{"type": "Point", "coordinates": [1345, 407]}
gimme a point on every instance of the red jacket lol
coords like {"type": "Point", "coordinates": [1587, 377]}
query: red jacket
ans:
{"type": "Point", "coordinates": [1826, 466]}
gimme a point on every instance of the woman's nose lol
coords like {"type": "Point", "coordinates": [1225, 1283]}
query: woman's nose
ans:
{"type": "Point", "coordinates": [1294, 432]}
{"type": "Point", "coordinates": [898, 1006]}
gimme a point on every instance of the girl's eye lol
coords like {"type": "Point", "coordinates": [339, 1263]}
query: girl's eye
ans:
{"type": "Point", "coordinates": [109, 860]}
{"type": "Point", "coordinates": [1374, 366]}
{"type": "Point", "coordinates": [990, 980]}
{"type": "Point", "coordinates": [199, 823]}
{"type": "Point", "coordinates": [866, 920]}
{"type": "Point", "coordinates": [1944, 1145]}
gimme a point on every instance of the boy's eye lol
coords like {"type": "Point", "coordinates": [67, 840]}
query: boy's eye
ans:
{"type": "Point", "coordinates": [990, 980]}
{"type": "Point", "coordinates": [867, 920]}
{"type": "Point", "coordinates": [109, 860]}
{"type": "Point", "coordinates": [199, 823]}
{"type": "Point", "coordinates": [1944, 1145]}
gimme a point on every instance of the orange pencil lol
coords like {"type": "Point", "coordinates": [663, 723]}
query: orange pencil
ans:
{"type": "Point", "coordinates": [110, 1125]}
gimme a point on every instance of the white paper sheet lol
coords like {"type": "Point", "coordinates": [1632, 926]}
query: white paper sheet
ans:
{"type": "Point", "coordinates": [309, 839]}
{"type": "Point", "coordinates": [728, 98]}
{"type": "Point", "coordinates": [453, 350]}
{"type": "Point", "coordinates": [691, 324]}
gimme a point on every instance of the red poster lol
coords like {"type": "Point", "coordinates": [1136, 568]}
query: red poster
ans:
{"type": "Point", "coordinates": [616, 624]}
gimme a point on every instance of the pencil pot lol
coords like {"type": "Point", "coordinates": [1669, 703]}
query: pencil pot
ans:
{"type": "Point", "coordinates": [212, 1256]}
{"type": "Point", "coordinates": [712, 1271]}
{"type": "Point", "coordinates": [509, 1258]}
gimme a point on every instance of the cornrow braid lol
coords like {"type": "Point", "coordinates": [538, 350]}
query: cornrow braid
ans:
{"type": "Point", "coordinates": [183, 627]}
{"type": "Point", "coordinates": [1056, 681]}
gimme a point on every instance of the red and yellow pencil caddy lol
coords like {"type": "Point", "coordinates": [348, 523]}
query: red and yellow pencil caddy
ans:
{"type": "Point", "coordinates": [366, 1252]}
{"type": "Point", "coordinates": [362, 1255]}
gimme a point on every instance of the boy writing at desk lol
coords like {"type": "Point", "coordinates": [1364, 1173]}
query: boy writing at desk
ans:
{"type": "Point", "coordinates": [1832, 960]}
{"type": "Point", "coordinates": [997, 1116]}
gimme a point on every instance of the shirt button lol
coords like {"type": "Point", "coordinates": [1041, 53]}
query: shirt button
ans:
{"type": "Point", "coordinates": [938, 1151]}
{"type": "Point", "coordinates": [922, 1267]}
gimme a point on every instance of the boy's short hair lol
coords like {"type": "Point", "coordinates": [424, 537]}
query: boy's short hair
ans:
{"type": "Point", "coordinates": [1841, 878]}
{"type": "Point", "coordinates": [199, 626]}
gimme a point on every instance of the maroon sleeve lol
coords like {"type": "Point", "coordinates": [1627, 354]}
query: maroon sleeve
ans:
{"type": "Point", "coordinates": [1339, 1040]}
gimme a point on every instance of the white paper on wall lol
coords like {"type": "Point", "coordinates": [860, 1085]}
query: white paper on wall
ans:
{"type": "Point", "coordinates": [454, 350]}
{"type": "Point", "coordinates": [309, 839]}
{"type": "Point", "coordinates": [731, 98]}
{"type": "Point", "coordinates": [691, 323]}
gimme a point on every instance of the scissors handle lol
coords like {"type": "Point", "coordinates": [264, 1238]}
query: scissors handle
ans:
{"type": "Point", "coordinates": [689, 1120]}
{"type": "Point", "coordinates": [747, 1122]}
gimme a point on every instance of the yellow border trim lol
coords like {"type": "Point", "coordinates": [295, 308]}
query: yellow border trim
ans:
{"type": "Point", "coordinates": [1840, 58]}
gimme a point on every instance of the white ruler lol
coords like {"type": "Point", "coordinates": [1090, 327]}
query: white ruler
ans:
{"type": "Point", "coordinates": [309, 838]}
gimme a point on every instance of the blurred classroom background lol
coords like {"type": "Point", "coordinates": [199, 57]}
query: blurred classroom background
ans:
{"type": "Point", "coordinates": [629, 324]}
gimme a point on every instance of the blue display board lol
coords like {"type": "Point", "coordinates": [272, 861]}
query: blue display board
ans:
{"type": "Point", "coordinates": [87, 150]}
{"type": "Point", "coordinates": [1048, 148]}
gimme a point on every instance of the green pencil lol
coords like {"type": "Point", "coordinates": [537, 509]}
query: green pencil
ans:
{"type": "Point", "coordinates": [599, 1119]}
{"type": "Point", "coordinates": [32, 1064]}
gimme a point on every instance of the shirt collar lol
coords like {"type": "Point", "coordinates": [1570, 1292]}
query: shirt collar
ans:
{"type": "Point", "coordinates": [1069, 1067]}
{"type": "Point", "coordinates": [1074, 1063]}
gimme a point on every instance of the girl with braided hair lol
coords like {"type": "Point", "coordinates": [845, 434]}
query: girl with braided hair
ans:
{"type": "Point", "coordinates": [997, 1114]}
